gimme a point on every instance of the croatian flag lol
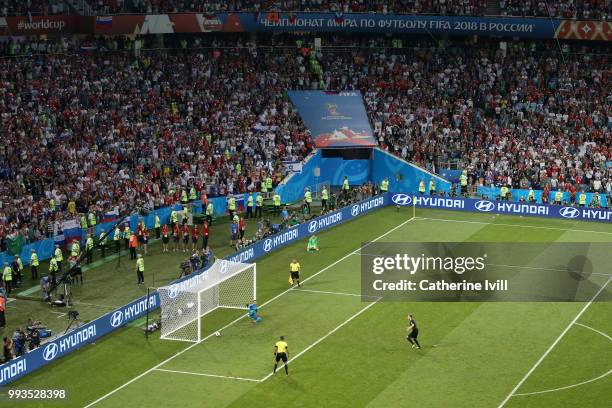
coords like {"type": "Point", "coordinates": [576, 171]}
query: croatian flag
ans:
{"type": "Point", "coordinates": [104, 22]}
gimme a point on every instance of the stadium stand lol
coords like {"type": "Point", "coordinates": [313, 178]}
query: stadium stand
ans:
{"type": "Point", "coordinates": [524, 114]}
{"type": "Point", "coordinates": [567, 9]}
{"type": "Point", "coordinates": [33, 7]}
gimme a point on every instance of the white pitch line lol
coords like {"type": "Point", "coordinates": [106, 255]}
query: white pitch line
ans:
{"type": "Point", "coordinates": [108, 394]}
{"type": "Point", "coordinates": [595, 330]}
{"type": "Point", "coordinates": [567, 386]}
{"type": "Point", "coordinates": [552, 346]}
{"type": "Point", "coordinates": [207, 375]}
{"type": "Point", "coordinates": [324, 337]}
{"type": "Point", "coordinates": [332, 293]}
{"type": "Point", "coordinates": [512, 225]}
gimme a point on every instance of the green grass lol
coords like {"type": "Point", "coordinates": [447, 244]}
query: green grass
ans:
{"type": "Point", "coordinates": [473, 354]}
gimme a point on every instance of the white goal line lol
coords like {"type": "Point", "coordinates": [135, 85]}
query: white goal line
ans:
{"type": "Point", "coordinates": [108, 394]}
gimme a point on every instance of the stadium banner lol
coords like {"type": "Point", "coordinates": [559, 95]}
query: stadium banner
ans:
{"type": "Point", "coordinates": [90, 332]}
{"type": "Point", "coordinates": [335, 119]}
{"type": "Point", "coordinates": [351, 23]}
{"type": "Point", "coordinates": [39, 25]}
{"type": "Point", "coordinates": [502, 207]}
{"type": "Point", "coordinates": [134, 24]}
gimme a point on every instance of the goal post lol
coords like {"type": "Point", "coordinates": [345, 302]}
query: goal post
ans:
{"type": "Point", "coordinates": [226, 284]}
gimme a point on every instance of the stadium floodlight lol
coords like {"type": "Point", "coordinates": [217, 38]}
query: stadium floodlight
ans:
{"type": "Point", "coordinates": [226, 284]}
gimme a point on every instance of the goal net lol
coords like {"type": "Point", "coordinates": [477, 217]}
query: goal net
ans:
{"type": "Point", "coordinates": [225, 284]}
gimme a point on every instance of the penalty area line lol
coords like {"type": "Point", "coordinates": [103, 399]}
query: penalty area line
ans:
{"type": "Point", "coordinates": [229, 377]}
{"type": "Point", "coordinates": [113, 391]}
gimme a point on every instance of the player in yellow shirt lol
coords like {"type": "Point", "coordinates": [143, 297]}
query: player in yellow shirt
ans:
{"type": "Point", "coordinates": [294, 271]}
{"type": "Point", "coordinates": [281, 352]}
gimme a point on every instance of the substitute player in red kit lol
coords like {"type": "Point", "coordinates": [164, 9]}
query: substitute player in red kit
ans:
{"type": "Point", "coordinates": [185, 237]}
{"type": "Point", "coordinates": [165, 237]}
{"type": "Point", "coordinates": [195, 235]}
{"type": "Point", "coordinates": [205, 232]}
{"type": "Point", "coordinates": [176, 236]}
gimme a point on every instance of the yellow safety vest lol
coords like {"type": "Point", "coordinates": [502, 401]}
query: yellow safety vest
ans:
{"type": "Point", "coordinates": [58, 255]}
{"type": "Point", "coordinates": [34, 260]}
{"type": "Point", "coordinates": [140, 264]}
{"type": "Point", "coordinates": [324, 194]}
{"type": "Point", "coordinates": [308, 197]}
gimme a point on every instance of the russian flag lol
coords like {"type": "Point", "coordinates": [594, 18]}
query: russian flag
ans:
{"type": "Point", "coordinates": [111, 216]}
{"type": "Point", "coordinates": [71, 230]}
{"type": "Point", "coordinates": [104, 22]}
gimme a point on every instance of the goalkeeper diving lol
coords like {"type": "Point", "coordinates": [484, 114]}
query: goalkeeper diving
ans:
{"type": "Point", "coordinates": [253, 309]}
{"type": "Point", "coordinates": [313, 243]}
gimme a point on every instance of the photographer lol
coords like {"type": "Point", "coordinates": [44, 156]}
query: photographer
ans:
{"type": "Point", "coordinates": [195, 261]}
{"type": "Point", "coordinates": [19, 342]}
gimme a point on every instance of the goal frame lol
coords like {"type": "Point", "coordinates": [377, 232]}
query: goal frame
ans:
{"type": "Point", "coordinates": [201, 315]}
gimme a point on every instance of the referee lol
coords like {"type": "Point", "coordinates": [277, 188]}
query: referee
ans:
{"type": "Point", "coordinates": [413, 332]}
{"type": "Point", "coordinates": [281, 352]}
{"type": "Point", "coordinates": [294, 270]}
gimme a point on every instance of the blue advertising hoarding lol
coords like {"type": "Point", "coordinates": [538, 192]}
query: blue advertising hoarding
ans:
{"type": "Point", "coordinates": [503, 207]}
{"type": "Point", "coordinates": [404, 24]}
{"type": "Point", "coordinates": [335, 119]}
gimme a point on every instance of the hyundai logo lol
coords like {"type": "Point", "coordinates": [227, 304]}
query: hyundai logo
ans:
{"type": "Point", "coordinates": [569, 212]}
{"type": "Point", "coordinates": [50, 351]}
{"type": "Point", "coordinates": [267, 246]}
{"type": "Point", "coordinates": [485, 206]}
{"type": "Point", "coordinates": [355, 210]}
{"type": "Point", "coordinates": [116, 318]}
{"type": "Point", "coordinates": [224, 266]}
{"type": "Point", "coordinates": [402, 199]}
{"type": "Point", "coordinates": [173, 291]}
{"type": "Point", "coordinates": [312, 227]}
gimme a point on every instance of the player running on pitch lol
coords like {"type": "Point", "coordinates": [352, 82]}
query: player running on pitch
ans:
{"type": "Point", "coordinates": [253, 309]}
{"type": "Point", "coordinates": [413, 332]}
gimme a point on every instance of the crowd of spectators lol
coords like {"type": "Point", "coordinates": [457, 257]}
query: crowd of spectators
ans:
{"type": "Point", "coordinates": [446, 7]}
{"type": "Point", "coordinates": [108, 130]}
{"type": "Point", "coordinates": [572, 9]}
{"type": "Point", "coordinates": [32, 7]}
{"type": "Point", "coordinates": [102, 130]}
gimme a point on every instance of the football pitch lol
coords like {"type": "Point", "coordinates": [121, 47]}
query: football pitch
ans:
{"type": "Point", "coordinates": [350, 351]}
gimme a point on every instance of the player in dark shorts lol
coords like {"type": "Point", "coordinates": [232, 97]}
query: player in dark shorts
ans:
{"type": "Point", "coordinates": [281, 353]}
{"type": "Point", "coordinates": [413, 332]}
